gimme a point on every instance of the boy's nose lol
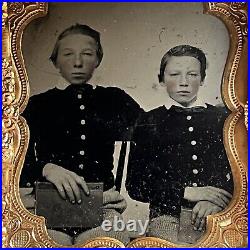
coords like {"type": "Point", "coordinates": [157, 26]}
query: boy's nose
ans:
{"type": "Point", "coordinates": [183, 82]}
{"type": "Point", "coordinates": [78, 62]}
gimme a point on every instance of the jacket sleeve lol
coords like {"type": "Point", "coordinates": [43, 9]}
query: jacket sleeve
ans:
{"type": "Point", "coordinates": [32, 168]}
{"type": "Point", "coordinates": [146, 182]}
{"type": "Point", "coordinates": [138, 175]}
{"type": "Point", "coordinates": [127, 111]}
{"type": "Point", "coordinates": [221, 173]}
{"type": "Point", "coordinates": [141, 165]}
{"type": "Point", "coordinates": [221, 176]}
{"type": "Point", "coordinates": [167, 198]}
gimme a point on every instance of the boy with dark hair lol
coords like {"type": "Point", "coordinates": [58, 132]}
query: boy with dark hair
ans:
{"type": "Point", "coordinates": [178, 158]}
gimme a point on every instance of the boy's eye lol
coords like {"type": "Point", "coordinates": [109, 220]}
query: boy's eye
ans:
{"type": "Point", "coordinates": [68, 54]}
{"type": "Point", "coordinates": [88, 53]}
{"type": "Point", "coordinates": [174, 74]}
{"type": "Point", "coordinates": [193, 74]}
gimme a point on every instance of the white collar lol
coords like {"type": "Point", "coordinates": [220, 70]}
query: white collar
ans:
{"type": "Point", "coordinates": [198, 103]}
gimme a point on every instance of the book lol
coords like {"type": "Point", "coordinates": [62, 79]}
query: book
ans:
{"type": "Point", "coordinates": [60, 213]}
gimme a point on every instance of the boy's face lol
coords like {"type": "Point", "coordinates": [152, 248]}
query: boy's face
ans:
{"type": "Point", "coordinates": [182, 79]}
{"type": "Point", "coordinates": [77, 58]}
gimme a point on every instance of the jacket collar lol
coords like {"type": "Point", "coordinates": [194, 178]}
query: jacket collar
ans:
{"type": "Point", "coordinates": [78, 88]}
{"type": "Point", "coordinates": [198, 103]}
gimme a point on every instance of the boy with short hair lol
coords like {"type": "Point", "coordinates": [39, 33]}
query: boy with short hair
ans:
{"type": "Point", "coordinates": [73, 132]}
{"type": "Point", "coordinates": [178, 159]}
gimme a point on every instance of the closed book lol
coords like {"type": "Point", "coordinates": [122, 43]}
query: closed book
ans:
{"type": "Point", "coordinates": [60, 213]}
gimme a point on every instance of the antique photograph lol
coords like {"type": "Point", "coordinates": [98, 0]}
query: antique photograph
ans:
{"type": "Point", "coordinates": [126, 120]}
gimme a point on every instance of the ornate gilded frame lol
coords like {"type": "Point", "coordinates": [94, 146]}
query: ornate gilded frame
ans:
{"type": "Point", "coordinates": [23, 229]}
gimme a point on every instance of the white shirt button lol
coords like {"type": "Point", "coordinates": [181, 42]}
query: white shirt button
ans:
{"type": "Point", "coordinates": [194, 184]}
{"type": "Point", "coordinates": [79, 96]}
{"type": "Point", "coordinates": [195, 171]}
{"type": "Point", "coordinates": [28, 184]}
{"type": "Point", "coordinates": [82, 107]}
{"type": "Point", "coordinates": [190, 129]}
{"type": "Point", "coordinates": [82, 152]}
{"type": "Point", "coordinates": [193, 143]}
{"type": "Point", "coordinates": [81, 166]}
{"type": "Point", "coordinates": [194, 157]}
{"type": "Point", "coordinates": [189, 117]}
{"type": "Point", "coordinates": [83, 137]}
{"type": "Point", "coordinates": [83, 122]}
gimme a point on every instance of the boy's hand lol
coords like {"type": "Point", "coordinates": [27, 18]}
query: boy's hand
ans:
{"type": "Point", "coordinates": [114, 200]}
{"type": "Point", "coordinates": [200, 211]}
{"type": "Point", "coordinates": [218, 196]}
{"type": "Point", "coordinates": [66, 182]}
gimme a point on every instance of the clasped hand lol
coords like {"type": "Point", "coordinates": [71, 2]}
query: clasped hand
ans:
{"type": "Point", "coordinates": [67, 182]}
{"type": "Point", "coordinates": [210, 200]}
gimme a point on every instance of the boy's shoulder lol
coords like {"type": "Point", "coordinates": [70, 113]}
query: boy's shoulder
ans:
{"type": "Point", "coordinates": [217, 114]}
{"type": "Point", "coordinates": [44, 99]}
{"type": "Point", "coordinates": [220, 109]}
{"type": "Point", "coordinates": [152, 116]}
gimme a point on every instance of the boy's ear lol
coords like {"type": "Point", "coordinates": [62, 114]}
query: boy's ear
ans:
{"type": "Point", "coordinates": [162, 83]}
{"type": "Point", "coordinates": [159, 78]}
{"type": "Point", "coordinates": [55, 64]}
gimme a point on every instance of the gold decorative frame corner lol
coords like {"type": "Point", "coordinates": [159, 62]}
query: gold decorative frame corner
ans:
{"type": "Point", "coordinates": [23, 229]}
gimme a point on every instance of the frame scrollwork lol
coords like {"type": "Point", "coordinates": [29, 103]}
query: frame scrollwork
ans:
{"type": "Point", "coordinates": [23, 229]}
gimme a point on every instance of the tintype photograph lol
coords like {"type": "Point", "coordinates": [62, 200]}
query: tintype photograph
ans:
{"type": "Point", "coordinates": [126, 121]}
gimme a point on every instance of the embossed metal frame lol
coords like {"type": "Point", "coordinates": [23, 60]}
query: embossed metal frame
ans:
{"type": "Point", "coordinates": [23, 229]}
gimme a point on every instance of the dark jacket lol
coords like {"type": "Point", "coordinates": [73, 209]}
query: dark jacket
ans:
{"type": "Point", "coordinates": [174, 149]}
{"type": "Point", "coordinates": [76, 128]}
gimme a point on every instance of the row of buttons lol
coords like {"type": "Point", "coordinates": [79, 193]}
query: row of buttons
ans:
{"type": "Point", "coordinates": [83, 137]}
{"type": "Point", "coordinates": [193, 143]}
{"type": "Point", "coordinates": [190, 129]}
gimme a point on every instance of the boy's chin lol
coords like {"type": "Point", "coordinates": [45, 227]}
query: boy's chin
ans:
{"type": "Point", "coordinates": [77, 82]}
{"type": "Point", "coordinates": [184, 102]}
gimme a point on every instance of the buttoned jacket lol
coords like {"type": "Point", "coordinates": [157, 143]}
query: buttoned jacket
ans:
{"type": "Point", "coordinates": [76, 128]}
{"type": "Point", "coordinates": [177, 148]}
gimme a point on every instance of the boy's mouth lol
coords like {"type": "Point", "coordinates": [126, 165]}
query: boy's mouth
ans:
{"type": "Point", "coordinates": [183, 92]}
{"type": "Point", "coordinates": [78, 74]}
